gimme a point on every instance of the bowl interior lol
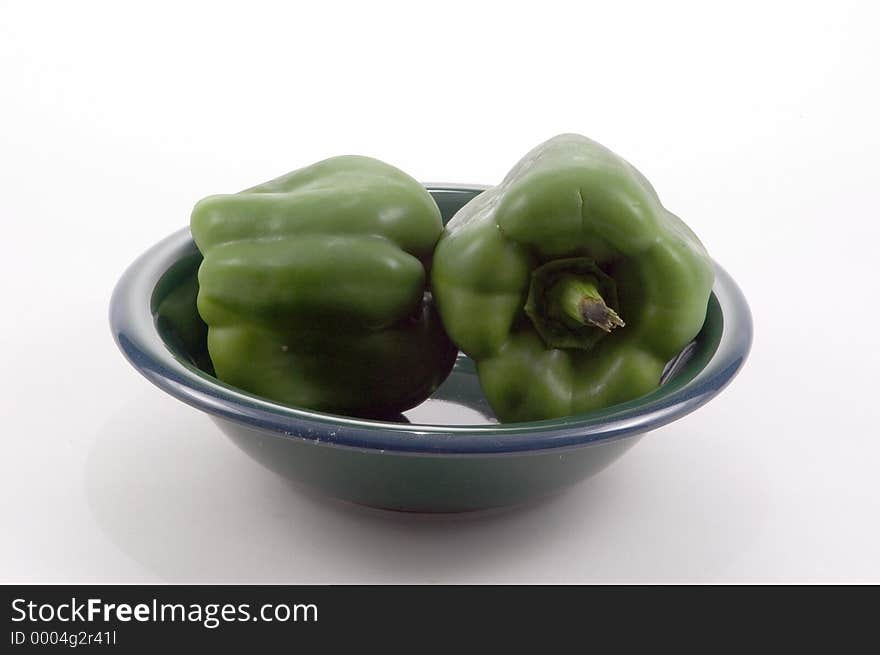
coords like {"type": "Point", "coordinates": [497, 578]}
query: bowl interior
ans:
{"type": "Point", "coordinates": [458, 401]}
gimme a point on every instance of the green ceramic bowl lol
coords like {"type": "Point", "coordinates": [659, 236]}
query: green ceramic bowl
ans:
{"type": "Point", "coordinates": [447, 455]}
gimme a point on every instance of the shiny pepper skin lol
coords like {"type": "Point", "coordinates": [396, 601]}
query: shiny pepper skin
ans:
{"type": "Point", "coordinates": [569, 199]}
{"type": "Point", "coordinates": [314, 288]}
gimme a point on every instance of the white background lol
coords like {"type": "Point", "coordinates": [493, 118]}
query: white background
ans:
{"type": "Point", "coordinates": [757, 123]}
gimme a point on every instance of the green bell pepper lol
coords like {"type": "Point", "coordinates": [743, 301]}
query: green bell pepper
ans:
{"type": "Point", "coordinates": [569, 283]}
{"type": "Point", "coordinates": [314, 288]}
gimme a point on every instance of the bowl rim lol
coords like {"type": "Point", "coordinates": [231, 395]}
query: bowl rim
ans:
{"type": "Point", "coordinates": [135, 332]}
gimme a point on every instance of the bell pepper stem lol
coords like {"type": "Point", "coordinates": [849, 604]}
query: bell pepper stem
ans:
{"type": "Point", "coordinates": [578, 298]}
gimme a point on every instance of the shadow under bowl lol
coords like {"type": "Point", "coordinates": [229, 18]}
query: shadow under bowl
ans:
{"type": "Point", "coordinates": [448, 454]}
